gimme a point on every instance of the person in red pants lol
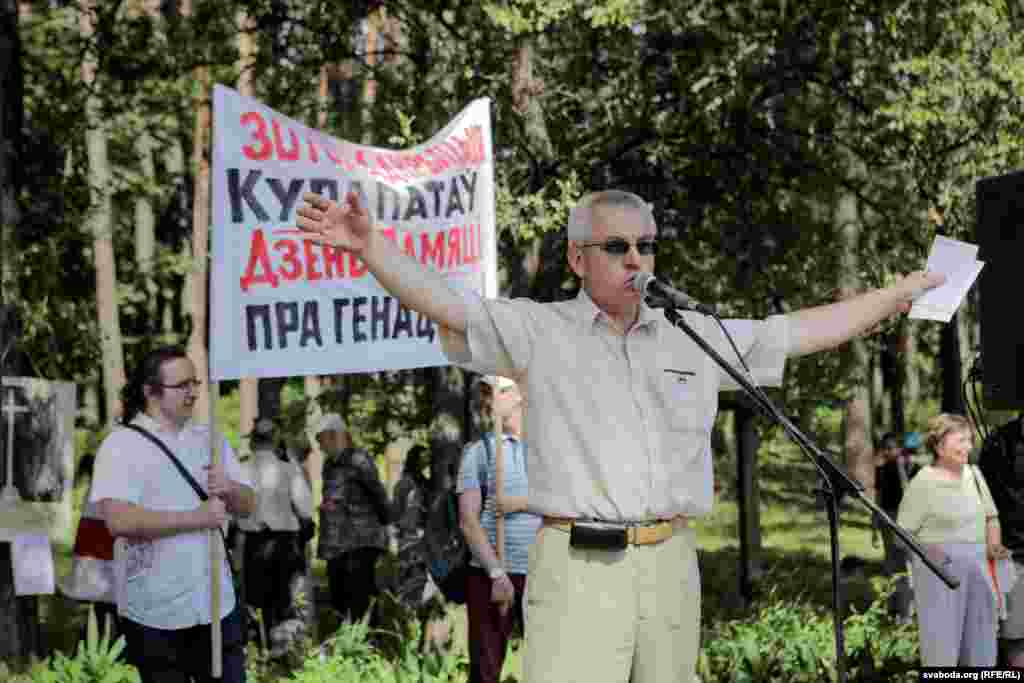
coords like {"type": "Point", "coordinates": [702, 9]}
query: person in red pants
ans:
{"type": "Point", "coordinates": [494, 591]}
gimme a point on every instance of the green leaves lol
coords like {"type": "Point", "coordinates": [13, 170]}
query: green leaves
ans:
{"type": "Point", "coordinates": [795, 642]}
{"type": "Point", "coordinates": [519, 17]}
{"type": "Point", "coordinates": [96, 661]}
{"type": "Point", "coordinates": [349, 657]}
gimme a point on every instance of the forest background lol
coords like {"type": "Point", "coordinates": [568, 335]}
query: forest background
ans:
{"type": "Point", "coordinates": [794, 153]}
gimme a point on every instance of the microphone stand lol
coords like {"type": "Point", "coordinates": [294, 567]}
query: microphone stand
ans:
{"type": "Point", "coordinates": [835, 483]}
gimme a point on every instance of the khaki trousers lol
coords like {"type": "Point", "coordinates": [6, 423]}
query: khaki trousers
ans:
{"type": "Point", "coordinates": [602, 616]}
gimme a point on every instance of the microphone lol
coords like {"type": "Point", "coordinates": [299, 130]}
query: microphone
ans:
{"type": "Point", "coordinates": [650, 286]}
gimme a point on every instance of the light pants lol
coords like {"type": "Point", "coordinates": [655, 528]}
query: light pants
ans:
{"type": "Point", "coordinates": [606, 616]}
{"type": "Point", "coordinates": [957, 627]}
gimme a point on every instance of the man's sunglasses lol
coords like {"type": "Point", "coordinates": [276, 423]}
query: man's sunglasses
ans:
{"type": "Point", "coordinates": [619, 247]}
{"type": "Point", "coordinates": [183, 386]}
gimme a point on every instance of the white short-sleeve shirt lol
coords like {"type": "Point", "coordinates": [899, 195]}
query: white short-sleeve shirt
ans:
{"type": "Point", "coordinates": [618, 427]}
{"type": "Point", "coordinates": [163, 582]}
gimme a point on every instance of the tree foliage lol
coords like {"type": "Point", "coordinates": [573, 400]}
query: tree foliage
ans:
{"type": "Point", "coordinates": [740, 121]}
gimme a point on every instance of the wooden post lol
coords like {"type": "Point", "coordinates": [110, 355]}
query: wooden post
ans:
{"type": "Point", "coordinates": [216, 553]}
{"type": "Point", "coordinates": [747, 442]}
{"type": "Point", "coordinates": [499, 479]}
{"type": "Point", "coordinates": [499, 486]}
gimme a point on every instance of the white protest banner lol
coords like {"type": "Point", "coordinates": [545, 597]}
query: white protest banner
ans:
{"type": "Point", "coordinates": [283, 306]}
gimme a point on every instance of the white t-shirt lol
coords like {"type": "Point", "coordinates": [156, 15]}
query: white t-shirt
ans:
{"type": "Point", "coordinates": [163, 582]}
{"type": "Point", "coordinates": [282, 493]}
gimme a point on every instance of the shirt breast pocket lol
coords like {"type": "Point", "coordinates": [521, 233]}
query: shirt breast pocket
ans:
{"type": "Point", "coordinates": [680, 397]}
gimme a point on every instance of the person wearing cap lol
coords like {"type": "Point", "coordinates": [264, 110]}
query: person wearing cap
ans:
{"type": "Point", "coordinates": [621, 411]}
{"type": "Point", "coordinates": [274, 557]}
{"type": "Point", "coordinates": [893, 472]}
{"type": "Point", "coordinates": [495, 589]}
{"type": "Point", "coordinates": [353, 519]}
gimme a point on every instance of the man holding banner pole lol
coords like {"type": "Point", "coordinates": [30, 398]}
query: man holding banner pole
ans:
{"type": "Point", "coordinates": [166, 487]}
{"type": "Point", "coordinates": [492, 492]}
{"type": "Point", "coordinates": [621, 410]}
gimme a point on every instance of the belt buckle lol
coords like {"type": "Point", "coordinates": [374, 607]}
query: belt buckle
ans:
{"type": "Point", "coordinates": [656, 527]}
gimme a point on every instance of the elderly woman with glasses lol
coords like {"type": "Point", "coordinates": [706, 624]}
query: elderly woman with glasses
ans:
{"type": "Point", "coordinates": [949, 508]}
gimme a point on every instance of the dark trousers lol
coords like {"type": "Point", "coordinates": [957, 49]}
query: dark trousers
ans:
{"type": "Point", "coordinates": [273, 561]}
{"type": "Point", "coordinates": [489, 630]}
{"type": "Point", "coordinates": [183, 655]}
{"type": "Point", "coordinates": [352, 582]}
{"type": "Point", "coordinates": [105, 612]}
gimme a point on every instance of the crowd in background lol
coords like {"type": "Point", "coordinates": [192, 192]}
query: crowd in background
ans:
{"type": "Point", "coordinates": [359, 524]}
{"type": "Point", "coordinates": [960, 512]}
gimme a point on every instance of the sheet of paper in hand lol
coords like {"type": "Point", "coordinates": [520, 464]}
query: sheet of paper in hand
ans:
{"type": "Point", "coordinates": [958, 262]}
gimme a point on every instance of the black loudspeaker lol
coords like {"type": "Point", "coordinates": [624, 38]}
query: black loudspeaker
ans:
{"type": "Point", "coordinates": [1000, 202]}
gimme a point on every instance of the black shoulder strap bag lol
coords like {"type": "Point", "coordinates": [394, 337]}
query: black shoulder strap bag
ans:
{"type": "Point", "coordinates": [188, 477]}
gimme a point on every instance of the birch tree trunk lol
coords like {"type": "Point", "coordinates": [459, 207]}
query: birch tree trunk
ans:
{"type": "Point", "coordinates": [145, 213]}
{"type": "Point", "coordinates": [199, 281]}
{"type": "Point", "coordinates": [858, 443]}
{"type": "Point", "coordinates": [175, 310]}
{"type": "Point", "coordinates": [11, 117]}
{"type": "Point", "coordinates": [15, 640]}
{"type": "Point", "coordinates": [312, 384]}
{"type": "Point", "coordinates": [100, 222]}
{"type": "Point", "coordinates": [911, 373]}
{"type": "Point", "coordinates": [532, 277]}
{"type": "Point", "coordinates": [248, 387]}
{"type": "Point", "coordinates": [145, 230]}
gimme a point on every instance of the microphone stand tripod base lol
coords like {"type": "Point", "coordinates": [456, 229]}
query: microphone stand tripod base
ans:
{"type": "Point", "coordinates": [10, 495]}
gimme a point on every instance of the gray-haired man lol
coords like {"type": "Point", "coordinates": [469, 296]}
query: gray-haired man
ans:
{"type": "Point", "coordinates": [621, 410]}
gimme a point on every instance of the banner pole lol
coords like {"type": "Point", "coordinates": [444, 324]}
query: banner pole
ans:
{"type": "Point", "coordinates": [216, 554]}
{"type": "Point", "coordinates": [499, 485]}
{"type": "Point", "coordinates": [499, 482]}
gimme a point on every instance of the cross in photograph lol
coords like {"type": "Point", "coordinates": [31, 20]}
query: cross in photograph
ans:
{"type": "Point", "coordinates": [11, 409]}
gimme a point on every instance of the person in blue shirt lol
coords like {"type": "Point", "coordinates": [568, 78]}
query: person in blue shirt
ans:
{"type": "Point", "coordinates": [494, 591]}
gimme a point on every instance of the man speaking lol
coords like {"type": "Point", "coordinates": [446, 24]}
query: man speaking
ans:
{"type": "Point", "coordinates": [621, 406]}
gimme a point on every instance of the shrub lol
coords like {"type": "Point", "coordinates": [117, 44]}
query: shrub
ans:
{"type": "Point", "coordinates": [350, 657]}
{"type": "Point", "coordinates": [795, 642]}
{"type": "Point", "coordinates": [96, 661]}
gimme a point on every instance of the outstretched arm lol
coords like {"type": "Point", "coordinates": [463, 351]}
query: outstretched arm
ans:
{"type": "Point", "coordinates": [828, 326]}
{"type": "Point", "coordinates": [348, 227]}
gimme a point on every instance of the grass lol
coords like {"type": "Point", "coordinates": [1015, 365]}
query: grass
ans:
{"type": "Point", "coordinates": [794, 561]}
{"type": "Point", "coordinates": [795, 558]}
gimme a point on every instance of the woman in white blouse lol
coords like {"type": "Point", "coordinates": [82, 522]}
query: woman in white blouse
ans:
{"type": "Point", "coordinates": [949, 508]}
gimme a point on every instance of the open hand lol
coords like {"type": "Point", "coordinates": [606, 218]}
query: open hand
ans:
{"type": "Point", "coordinates": [502, 593]}
{"type": "Point", "coordinates": [346, 226]}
